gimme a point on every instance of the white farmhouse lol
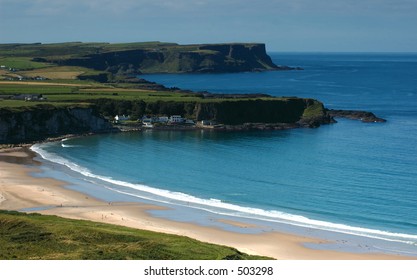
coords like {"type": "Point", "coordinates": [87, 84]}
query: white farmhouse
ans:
{"type": "Point", "coordinates": [176, 119]}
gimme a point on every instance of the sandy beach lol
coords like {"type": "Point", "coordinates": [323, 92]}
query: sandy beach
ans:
{"type": "Point", "coordinates": [19, 190]}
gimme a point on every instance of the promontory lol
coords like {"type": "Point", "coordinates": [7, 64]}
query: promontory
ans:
{"type": "Point", "coordinates": [48, 90]}
{"type": "Point", "coordinates": [151, 57]}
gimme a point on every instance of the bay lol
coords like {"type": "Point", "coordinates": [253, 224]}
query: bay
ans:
{"type": "Point", "coordinates": [347, 177]}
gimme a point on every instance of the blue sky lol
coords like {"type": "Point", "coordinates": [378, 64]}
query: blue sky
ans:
{"type": "Point", "coordinates": [284, 25]}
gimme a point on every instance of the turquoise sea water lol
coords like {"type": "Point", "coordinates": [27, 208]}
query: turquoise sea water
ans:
{"type": "Point", "coordinates": [348, 177]}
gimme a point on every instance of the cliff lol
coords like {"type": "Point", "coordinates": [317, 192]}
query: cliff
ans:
{"type": "Point", "coordinates": [290, 110]}
{"type": "Point", "coordinates": [41, 122]}
{"type": "Point", "coordinates": [211, 58]}
{"type": "Point", "coordinates": [305, 112]}
{"type": "Point", "coordinates": [45, 121]}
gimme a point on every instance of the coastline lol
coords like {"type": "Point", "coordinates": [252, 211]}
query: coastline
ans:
{"type": "Point", "coordinates": [20, 190]}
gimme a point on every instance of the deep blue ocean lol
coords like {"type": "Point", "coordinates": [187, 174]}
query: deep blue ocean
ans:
{"type": "Point", "coordinates": [350, 177]}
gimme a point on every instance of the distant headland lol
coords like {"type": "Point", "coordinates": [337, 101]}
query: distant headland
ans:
{"type": "Point", "coordinates": [152, 57]}
{"type": "Point", "coordinates": [49, 90]}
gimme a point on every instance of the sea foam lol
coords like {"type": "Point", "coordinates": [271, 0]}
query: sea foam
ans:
{"type": "Point", "coordinates": [66, 145]}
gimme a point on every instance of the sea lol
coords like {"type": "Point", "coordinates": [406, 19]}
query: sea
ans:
{"type": "Point", "coordinates": [352, 183]}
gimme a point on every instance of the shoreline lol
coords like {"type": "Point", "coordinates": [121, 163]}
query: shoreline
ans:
{"type": "Point", "coordinates": [20, 190]}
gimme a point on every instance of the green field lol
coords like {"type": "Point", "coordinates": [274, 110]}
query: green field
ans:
{"type": "Point", "coordinates": [85, 91]}
{"type": "Point", "coordinates": [22, 63]}
{"type": "Point", "coordinates": [78, 49]}
{"type": "Point", "coordinates": [75, 49]}
{"type": "Point", "coordinates": [35, 236]}
{"type": "Point", "coordinates": [76, 84]}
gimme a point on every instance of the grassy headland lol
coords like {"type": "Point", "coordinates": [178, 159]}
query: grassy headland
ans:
{"type": "Point", "coordinates": [100, 76]}
{"type": "Point", "coordinates": [148, 57]}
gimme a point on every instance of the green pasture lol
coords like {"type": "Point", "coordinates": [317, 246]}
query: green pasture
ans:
{"type": "Point", "coordinates": [21, 63]}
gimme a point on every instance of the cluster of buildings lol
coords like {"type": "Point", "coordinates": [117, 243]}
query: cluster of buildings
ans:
{"type": "Point", "coordinates": [151, 121]}
{"type": "Point", "coordinates": [174, 119]}
{"type": "Point", "coordinates": [22, 78]}
{"type": "Point", "coordinates": [4, 67]}
{"type": "Point", "coordinates": [17, 77]}
{"type": "Point", "coordinates": [25, 97]}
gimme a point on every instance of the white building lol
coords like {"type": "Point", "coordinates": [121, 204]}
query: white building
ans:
{"type": "Point", "coordinates": [176, 119]}
{"type": "Point", "coordinates": [118, 118]}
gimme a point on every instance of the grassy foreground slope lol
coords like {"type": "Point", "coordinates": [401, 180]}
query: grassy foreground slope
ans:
{"type": "Point", "coordinates": [34, 236]}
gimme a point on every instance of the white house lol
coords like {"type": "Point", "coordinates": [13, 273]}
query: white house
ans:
{"type": "Point", "coordinates": [176, 119]}
{"type": "Point", "coordinates": [118, 118]}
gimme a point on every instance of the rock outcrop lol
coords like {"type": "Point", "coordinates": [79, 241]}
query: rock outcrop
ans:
{"type": "Point", "coordinates": [288, 111]}
{"type": "Point", "coordinates": [363, 116]}
{"type": "Point", "coordinates": [47, 121]}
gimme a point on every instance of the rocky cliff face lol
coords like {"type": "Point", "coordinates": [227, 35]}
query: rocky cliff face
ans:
{"type": "Point", "coordinates": [41, 123]}
{"type": "Point", "coordinates": [363, 116]}
{"type": "Point", "coordinates": [239, 57]}
{"type": "Point", "coordinates": [291, 110]}
{"type": "Point", "coordinates": [219, 58]}
{"type": "Point", "coordinates": [301, 111]}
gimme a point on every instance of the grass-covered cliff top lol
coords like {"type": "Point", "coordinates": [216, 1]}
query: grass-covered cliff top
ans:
{"type": "Point", "coordinates": [37, 236]}
{"type": "Point", "coordinates": [146, 57]}
{"type": "Point", "coordinates": [78, 49]}
{"type": "Point", "coordinates": [74, 92]}
{"type": "Point", "coordinates": [102, 75]}
{"type": "Point", "coordinates": [73, 49]}
{"type": "Point", "coordinates": [49, 70]}
{"type": "Point", "coordinates": [136, 100]}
